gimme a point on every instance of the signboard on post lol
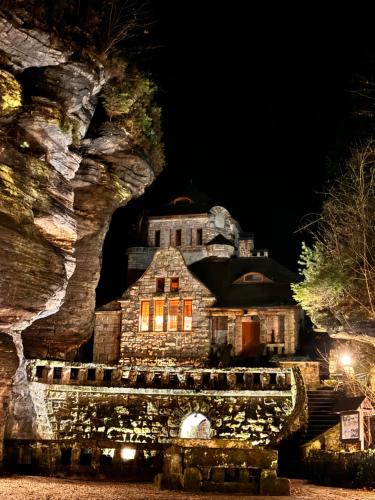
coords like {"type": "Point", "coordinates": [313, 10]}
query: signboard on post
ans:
{"type": "Point", "coordinates": [351, 425]}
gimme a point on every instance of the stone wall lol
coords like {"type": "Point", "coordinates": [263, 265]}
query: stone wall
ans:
{"type": "Point", "coordinates": [86, 412]}
{"type": "Point", "coordinates": [310, 371]}
{"type": "Point", "coordinates": [168, 225]}
{"type": "Point", "coordinates": [107, 336]}
{"type": "Point", "coordinates": [166, 348]}
{"type": "Point", "coordinates": [221, 465]}
{"type": "Point", "coordinates": [154, 416]}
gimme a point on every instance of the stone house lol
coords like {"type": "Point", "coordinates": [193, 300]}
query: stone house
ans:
{"type": "Point", "coordinates": [198, 291]}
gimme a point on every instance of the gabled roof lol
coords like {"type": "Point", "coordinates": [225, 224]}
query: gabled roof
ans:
{"type": "Point", "coordinates": [220, 240]}
{"type": "Point", "coordinates": [219, 274]}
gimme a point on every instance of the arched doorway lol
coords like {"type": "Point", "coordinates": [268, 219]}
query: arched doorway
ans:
{"type": "Point", "coordinates": [195, 426]}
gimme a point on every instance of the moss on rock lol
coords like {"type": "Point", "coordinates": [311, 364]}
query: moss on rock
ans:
{"type": "Point", "coordinates": [10, 93]}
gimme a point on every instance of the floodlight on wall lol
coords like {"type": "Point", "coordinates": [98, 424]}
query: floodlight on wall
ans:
{"type": "Point", "coordinates": [128, 453]}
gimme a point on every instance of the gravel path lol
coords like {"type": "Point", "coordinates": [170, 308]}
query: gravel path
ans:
{"type": "Point", "coordinates": [45, 488]}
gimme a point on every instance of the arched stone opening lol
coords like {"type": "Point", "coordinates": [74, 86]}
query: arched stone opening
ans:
{"type": "Point", "coordinates": [195, 426]}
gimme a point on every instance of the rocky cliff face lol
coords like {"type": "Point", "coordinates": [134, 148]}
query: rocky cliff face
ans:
{"type": "Point", "coordinates": [59, 187]}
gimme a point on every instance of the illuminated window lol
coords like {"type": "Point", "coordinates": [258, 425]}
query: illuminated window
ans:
{"type": "Point", "coordinates": [188, 315]}
{"type": "Point", "coordinates": [174, 284]}
{"type": "Point", "coordinates": [145, 316]}
{"type": "Point", "coordinates": [159, 315]}
{"type": "Point", "coordinates": [178, 237]}
{"type": "Point", "coordinates": [199, 236]}
{"type": "Point", "coordinates": [157, 238]}
{"type": "Point", "coordinates": [172, 315]}
{"type": "Point", "coordinates": [160, 282]}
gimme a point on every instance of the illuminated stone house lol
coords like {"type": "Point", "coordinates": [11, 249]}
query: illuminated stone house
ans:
{"type": "Point", "coordinates": [197, 285]}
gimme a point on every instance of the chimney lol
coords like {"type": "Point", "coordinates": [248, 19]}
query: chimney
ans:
{"type": "Point", "coordinates": [245, 244]}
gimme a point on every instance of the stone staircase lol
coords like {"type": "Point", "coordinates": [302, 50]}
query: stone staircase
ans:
{"type": "Point", "coordinates": [320, 419]}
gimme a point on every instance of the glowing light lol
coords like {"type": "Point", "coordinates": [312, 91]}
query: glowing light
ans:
{"type": "Point", "coordinates": [128, 453]}
{"type": "Point", "coordinates": [195, 426]}
{"type": "Point", "coordinates": [346, 359]}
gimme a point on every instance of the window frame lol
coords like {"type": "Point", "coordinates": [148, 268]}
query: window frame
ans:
{"type": "Point", "coordinates": [184, 316]}
{"type": "Point", "coordinates": [157, 235]}
{"type": "Point", "coordinates": [178, 238]}
{"type": "Point", "coordinates": [177, 303]}
{"type": "Point", "coordinates": [158, 287]}
{"type": "Point", "coordinates": [161, 328]}
{"type": "Point", "coordinates": [199, 236]}
{"type": "Point", "coordinates": [175, 279]}
{"type": "Point", "coordinates": [141, 329]}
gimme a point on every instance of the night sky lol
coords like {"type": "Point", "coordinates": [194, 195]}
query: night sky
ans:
{"type": "Point", "coordinates": [256, 109]}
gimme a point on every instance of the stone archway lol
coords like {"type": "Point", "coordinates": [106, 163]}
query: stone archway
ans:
{"type": "Point", "coordinates": [195, 426]}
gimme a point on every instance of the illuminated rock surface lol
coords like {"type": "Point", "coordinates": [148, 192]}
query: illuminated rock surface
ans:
{"type": "Point", "coordinates": [57, 196]}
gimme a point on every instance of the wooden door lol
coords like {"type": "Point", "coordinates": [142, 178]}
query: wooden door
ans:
{"type": "Point", "coordinates": [250, 338]}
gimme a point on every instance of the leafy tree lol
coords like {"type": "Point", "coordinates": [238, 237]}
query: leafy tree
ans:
{"type": "Point", "coordinates": [338, 286]}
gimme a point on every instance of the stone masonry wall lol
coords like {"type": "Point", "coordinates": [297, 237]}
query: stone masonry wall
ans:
{"type": "Point", "coordinates": [166, 348]}
{"type": "Point", "coordinates": [107, 336]}
{"type": "Point", "coordinates": [108, 414]}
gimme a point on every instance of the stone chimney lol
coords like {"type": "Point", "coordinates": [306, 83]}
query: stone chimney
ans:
{"type": "Point", "coordinates": [245, 244]}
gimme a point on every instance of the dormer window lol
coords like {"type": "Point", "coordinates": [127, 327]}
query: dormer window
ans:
{"type": "Point", "coordinates": [253, 278]}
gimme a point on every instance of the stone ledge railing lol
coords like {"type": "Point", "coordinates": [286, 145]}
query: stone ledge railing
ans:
{"type": "Point", "coordinates": [62, 372]}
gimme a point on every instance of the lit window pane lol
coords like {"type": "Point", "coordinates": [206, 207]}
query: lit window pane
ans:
{"type": "Point", "coordinates": [159, 316]}
{"type": "Point", "coordinates": [173, 315]}
{"type": "Point", "coordinates": [188, 315]}
{"type": "Point", "coordinates": [145, 316]}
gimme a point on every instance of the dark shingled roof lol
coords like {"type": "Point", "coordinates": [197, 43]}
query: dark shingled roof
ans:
{"type": "Point", "coordinates": [348, 404]}
{"type": "Point", "coordinates": [218, 274]}
{"type": "Point", "coordinates": [220, 240]}
{"type": "Point", "coordinates": [200, 204]}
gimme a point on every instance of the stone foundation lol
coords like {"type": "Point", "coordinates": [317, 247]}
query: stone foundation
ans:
{"type": "Point", "coordinates": [221, 465]}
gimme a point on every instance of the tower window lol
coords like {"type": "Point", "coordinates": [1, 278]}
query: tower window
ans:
{"type": "Point", "coordinates": [145, 316]}
{"type": "Point", "coordinates": [174, 284]}
{"type": "Point", "coordinates": [173, 315]}
{"type": "Point", "coordinates": [157, 239]}
{"type": "Point", "coordinates": [159, 315]}
{"type": "Point", "coordinates": [178, 237]}
{"type": "Point", "coordinates": [199, 236]}
{"type": "Point", "coordinates": [160, 283]}
{"type": "Point", "coordinates": [188, 315]}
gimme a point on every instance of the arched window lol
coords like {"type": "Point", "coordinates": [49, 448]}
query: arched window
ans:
{"type": "Point", "coordinates": [252, 278]}
{"type": "Point", "coordinates": [195, 426]}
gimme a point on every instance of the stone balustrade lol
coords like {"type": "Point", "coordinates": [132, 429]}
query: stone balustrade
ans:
{"type": "Point", "coordinates": [61, 372]}
{"type": "Point", "coordinates": [275, 348]}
